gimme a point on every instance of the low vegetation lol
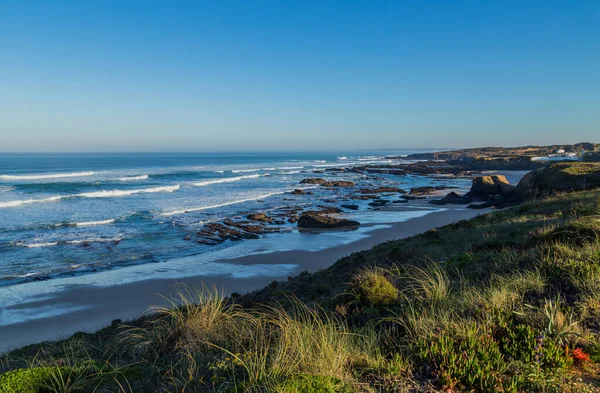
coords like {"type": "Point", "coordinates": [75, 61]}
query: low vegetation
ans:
{"type": "Point", "coordinates": [506, 302]}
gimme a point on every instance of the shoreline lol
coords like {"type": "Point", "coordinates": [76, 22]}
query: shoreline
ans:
{"type": "Point", "coordinates": [94, 307]}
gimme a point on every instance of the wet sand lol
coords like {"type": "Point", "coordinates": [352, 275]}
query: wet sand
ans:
{"type": "Point", "coordinates": [95, 307]}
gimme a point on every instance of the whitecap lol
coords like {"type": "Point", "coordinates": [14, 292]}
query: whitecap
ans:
{"type": "Point", "coordinates": [94, 223]}
{"type": "Point", "coordinates": [118, 193]}
{"type": "Point", "coordinates": [95, 194]}
{"type": "Point", "coordinates": [225, 180]}
{"type": "Point", "coordinates": [133, 178]}
{"type": "Point", "coordinates": [29, 201]}
{"type": "Point", "coordinates": [245, 170]}
{"type": "Point", "coordinates": [195, 209]}
{"type": "Point", "coordinates": [46, 176]}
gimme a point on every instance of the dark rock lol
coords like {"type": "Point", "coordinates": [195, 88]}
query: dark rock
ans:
{"type": "Point", "coordinates": [299, 191]}
{"type": "Point", "coordinates": [338, 183]}
{"type": "Point", "coordinates": [380, 190]}
{"type": "Point", "coordinates": [427, 190]}
{"type": "Point", "coordinates": [365, 197]}
{"type": "Point", "coordinates": [320, 221]}
{"type": "Point", "coordinates": [329, 209]}
{"type": "Point", "coordinates": [452, 198]}
{"type": "Point", "coordinates": [486, 187]}
{"type": "Point", "coordinates": [378, 203]}
{"type": "Point", "coordinates": [350, 207]}
{"type": "Point", "coordinates": [262, 217]}
{"type": "Point", "coordinates": [313, 180]}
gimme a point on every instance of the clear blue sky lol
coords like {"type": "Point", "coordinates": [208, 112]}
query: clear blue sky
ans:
{"type": "Point", "coordinates": [308, 75]}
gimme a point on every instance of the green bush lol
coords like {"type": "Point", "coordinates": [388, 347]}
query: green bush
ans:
{"type": "Point", "coordinates": [372, 287]}
{"type": "Point", "coordinates": [473, 361]}
{"type": "Point", "coordinates": [520, 342]}
{"type": "Point", "coordinates": [31, 380]}
{"type": "Point", "coordinates": [312, 384]}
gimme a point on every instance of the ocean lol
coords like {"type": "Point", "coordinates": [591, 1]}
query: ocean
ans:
{"type": "Point", "coordinates": [75, 214]}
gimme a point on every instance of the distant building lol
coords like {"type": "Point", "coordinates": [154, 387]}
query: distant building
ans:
{"type": "Point", "coordinates": [560, 151]}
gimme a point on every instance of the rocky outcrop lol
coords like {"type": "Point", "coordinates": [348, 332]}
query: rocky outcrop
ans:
{"type": "Point", "coordinates": [313, 180]}
{"type": "Point", "coordinates": [338, 183]}
{"type": "Point", "coordinates": [350, 206]}
{"type": "Point", "coordinates": [489, 187]}
{"type": "Point", "coordinates": [299, 191]}
{"type": "Point", "coordinates": [325, 183]}
{"type": "Point", "coordinates": [452, 198]}
{"type": "Point", "coordinates": [261, 217]}
{"type": "Point", "coordinates": [493, 191]}
{"type": "Point", "coordinates": [558, 178]}
{"type": "Point", "coordinates": [380, 190]}
{"type": "Point", "coordinates": [321, 221]}
{"type": "Point", "coordinates": [427, 190]}
{"type": "Point", "coordinates": [365, 197]}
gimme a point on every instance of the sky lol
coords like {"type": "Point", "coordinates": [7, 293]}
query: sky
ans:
{"type": "Point", "coordinates": [306, 75]}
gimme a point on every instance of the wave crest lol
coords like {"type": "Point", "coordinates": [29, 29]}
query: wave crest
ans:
{"type": "Point", "coordinates": [225, 180]}
{"type": "Point", "coordinates": [46, 176]}
{"type": "Point", "coordinates": [133, 178]}
{"type": "Point", "coordinates": [95, 194]}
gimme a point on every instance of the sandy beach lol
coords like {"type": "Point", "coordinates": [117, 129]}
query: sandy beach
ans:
{"type": "Point", "coordinates": [93, 307]}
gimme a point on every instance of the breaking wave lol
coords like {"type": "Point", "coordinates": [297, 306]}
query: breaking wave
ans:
{"type": "Point", "coordinates": [95, 194]}
{"type": "Point", "coordinates": [225, 180]}
{"type": "Point", "coordinates": [46, 176]}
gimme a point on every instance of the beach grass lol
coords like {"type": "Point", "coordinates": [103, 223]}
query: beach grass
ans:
{"type": "Point", "coordinates": [505, 302]}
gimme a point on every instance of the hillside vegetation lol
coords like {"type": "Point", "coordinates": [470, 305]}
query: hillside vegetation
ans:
{"type": "Point", "coordinates": [505, 302]}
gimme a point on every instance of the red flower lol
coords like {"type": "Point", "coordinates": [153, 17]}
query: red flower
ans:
{"type": "Point", "coordinates": [580, 356]}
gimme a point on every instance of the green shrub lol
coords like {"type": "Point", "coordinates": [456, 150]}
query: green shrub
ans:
{"type": "Point", "coordinates": [372, 287]}
{"type": "Point", "coordinates": [312, 384]}
{"type": "Point", "coordinates": [520, 342]}
{"type": "Point", "coordinates": [31, 380]}
{"type": "Point", "coordinates": [473, 361]}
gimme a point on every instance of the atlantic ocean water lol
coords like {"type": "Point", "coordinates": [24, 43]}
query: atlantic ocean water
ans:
{"type": "Point", "coordinates": [73, 214]}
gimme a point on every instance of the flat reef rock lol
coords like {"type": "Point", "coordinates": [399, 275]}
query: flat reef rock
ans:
{"type": "Point", "coordinates": [321, 221]}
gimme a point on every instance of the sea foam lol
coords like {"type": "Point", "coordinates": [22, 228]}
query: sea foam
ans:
{"type": "Point", "coordinates": [195, 209]}
{"type": "Point", "coordinates": [94, 223]}
{"type": "Point", "coordinates": [133, 178]}
{"type": "Point", "coordinates": [95, 194]}
{"type": "Point", "coordinates": [46, 176]}
{"type": "Point", "coordinates": [225, 180]}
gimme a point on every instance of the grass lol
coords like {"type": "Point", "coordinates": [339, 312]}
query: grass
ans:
{"type": "Point", "coordinates": [499, 303]}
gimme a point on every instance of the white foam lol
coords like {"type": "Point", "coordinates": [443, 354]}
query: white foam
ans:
{"type": "Point", "coordinates": [118, 193]}
{"type": "Point", "coordinates": [45, 176]}
{"type": "Point", "coordinates": [133, 178]}
{"type": "Point", "coordinates": [37, 245]}
{"type": "Point", "coordinates": [342, 158]}
{"type": "Point", "coordinates": [320, 161]}
{"type": "Point", "coordinates": [290, 172]}
{"type": "Point", "coordinates": [93, 223]}
{"type": "Point", "coordinates": [96, 194]}
{"type": "Point", "coordinates": [55, 243]}
{"type": "Point", "coordinates": [290, 167]}
{"type": "Point", "coordinates": [29, 201]}
{"type": "Point", "coordinates": [330, 165]}
{"type": "Point", "coordinates": [195, 209]}
{"type": "Point", "coordinates": [225, 180]}
{"type": "Point", "coordinates": [246, 170]}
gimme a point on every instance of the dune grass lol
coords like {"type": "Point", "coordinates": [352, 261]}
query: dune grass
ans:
{"type": "Point", "coordinates": [506, 302]}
